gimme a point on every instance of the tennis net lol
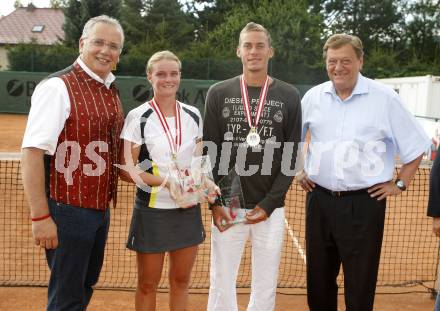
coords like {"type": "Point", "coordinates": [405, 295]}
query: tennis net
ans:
{"type": "Point", "coordinates": [409, 251]}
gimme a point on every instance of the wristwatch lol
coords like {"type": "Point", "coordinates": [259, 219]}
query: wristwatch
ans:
{"type": "Point", "coordinates": [400, 184]}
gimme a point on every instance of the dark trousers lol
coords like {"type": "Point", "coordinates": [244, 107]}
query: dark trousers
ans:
{"type": "Point", "coordinates": [76, 263]}
{"type": "Point", "coordinates": [345, 230]}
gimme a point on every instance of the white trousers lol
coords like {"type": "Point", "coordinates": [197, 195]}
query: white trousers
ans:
{"type": "Point", "coordinates": [226, 250]}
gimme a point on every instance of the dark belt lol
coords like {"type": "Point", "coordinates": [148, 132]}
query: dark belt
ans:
{"type": "Point", "coordinates": [341, 193]}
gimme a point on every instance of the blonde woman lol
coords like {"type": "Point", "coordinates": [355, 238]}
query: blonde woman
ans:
{"type": "Point", "coordinates": [155, 134]}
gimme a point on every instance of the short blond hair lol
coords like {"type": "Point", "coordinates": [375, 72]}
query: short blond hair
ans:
{"type": "Point", "coordinates": [255, 27]}
{"type": "Point", "coordinates": [158, 56]}
{"type": "Point", "coordinates": [340, 39]}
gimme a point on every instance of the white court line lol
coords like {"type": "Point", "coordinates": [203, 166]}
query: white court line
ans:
{"type": "Point", "coordinates": [10, 156]}
{"type": "Point", "coordinates": [295, 241]}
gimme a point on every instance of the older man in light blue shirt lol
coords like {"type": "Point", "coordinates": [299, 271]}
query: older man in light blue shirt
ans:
{"type": "Point", "coordinates": [357, 127]}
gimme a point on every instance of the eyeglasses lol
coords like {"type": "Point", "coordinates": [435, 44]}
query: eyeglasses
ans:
{"type": "Point", "coordinates": [100, 43]}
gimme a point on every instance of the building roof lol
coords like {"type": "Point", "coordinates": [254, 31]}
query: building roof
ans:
{"type": "Point", "coordinates": [21, 26]}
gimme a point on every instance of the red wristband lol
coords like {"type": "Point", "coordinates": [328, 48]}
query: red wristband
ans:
{"type": "Point", "coordinates": [40, 218]}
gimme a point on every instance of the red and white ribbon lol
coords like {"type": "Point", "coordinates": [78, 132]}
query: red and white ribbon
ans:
{"type": "Point", "coordinates": [246, 102]}
{"type": "Point", "coordinates": [174, 142]}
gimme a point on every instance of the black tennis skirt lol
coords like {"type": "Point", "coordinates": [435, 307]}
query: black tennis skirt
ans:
{"type": "Point", "coordinates": [155, 230]}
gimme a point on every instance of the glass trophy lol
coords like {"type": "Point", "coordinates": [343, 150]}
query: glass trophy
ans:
{"type": "Point", "coordinates": [232, 198]}
{"type": "Point", "coordinates": [195, 181]}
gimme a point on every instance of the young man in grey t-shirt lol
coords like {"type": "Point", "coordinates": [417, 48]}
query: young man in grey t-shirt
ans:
{"type": "Point", "coordinates": [258, 118]}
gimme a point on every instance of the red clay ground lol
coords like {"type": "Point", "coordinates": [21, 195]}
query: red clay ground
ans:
{"type": "Point", "coordinates": [11, 132]}
{"type": "Point", "coordinates": [32, 298]}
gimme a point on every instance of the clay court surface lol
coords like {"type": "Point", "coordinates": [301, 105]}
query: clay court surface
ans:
{"type": "Point", "coordinates": [34, 298]}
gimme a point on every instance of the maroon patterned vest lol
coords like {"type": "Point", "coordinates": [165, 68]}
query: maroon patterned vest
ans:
{"type": "Point", "coordinates": [82, 171]}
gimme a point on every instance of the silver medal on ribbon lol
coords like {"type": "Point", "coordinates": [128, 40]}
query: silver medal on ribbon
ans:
{"type": "Point", "coordinates": [253, 139]}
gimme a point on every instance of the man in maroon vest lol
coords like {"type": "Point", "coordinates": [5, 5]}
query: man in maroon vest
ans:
{"type": "Point", "coordinates": [69, 150]}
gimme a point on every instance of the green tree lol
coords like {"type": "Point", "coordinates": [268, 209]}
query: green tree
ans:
{"type": "Point", "coordinates": [423, 30]}
{"type": "Point", "coordinates": [56, 4]}
{"type": "Point", "coordinates": [92, 8]}
{"type": "Point", "coordinates": [72, 24]}
{"type": "Point", "coordinates": [168, 24]}
{"type": "Point", "coordinates": [133, 21]}
{"type": "Point", "coordinates": [212, 13]}
{"type": "Point", "coordinates": [294, 30]}
{"type": "Point", "coordinates": [34, 57]}
{"type": "Point", "coordinates": [161, 25]}
{"type": "Point", "coordinates": [377, 23]}
{"type": "Point", "coordinates": [381, 63]}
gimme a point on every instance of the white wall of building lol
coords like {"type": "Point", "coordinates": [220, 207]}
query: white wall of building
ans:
{"type": "Point", "coordinates": [4, 63]}
{"type": "Point", "coordinates": [421, 95]}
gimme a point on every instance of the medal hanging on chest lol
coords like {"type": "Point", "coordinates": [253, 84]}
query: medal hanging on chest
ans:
{"type": "Point", "coordinates": [174, 142]}
{"type": "Point", "coordinates": [253, 138]}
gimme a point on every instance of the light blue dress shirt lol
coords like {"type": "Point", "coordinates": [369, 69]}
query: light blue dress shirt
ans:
{"type": "Point", "coordinates": [354, 141]}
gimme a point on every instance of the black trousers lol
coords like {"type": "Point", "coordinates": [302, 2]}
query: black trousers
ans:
{"type": "Point", "coordinates": [347, 230]}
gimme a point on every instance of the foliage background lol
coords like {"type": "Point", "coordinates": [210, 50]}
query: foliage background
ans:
{"type": "Point", "coordinates": [401, 37]}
